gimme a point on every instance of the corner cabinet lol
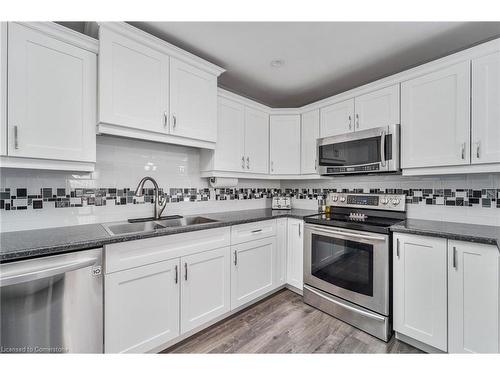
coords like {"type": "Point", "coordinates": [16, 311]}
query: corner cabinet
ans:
{"type": "Point", "coordinates": [152, 90]}
{"type": "Point", "coordinates": [51, 95]}
{"type": "Point", "coordinates": [284, 139]}
{"type": "Point", "coordinates": [419, 299]}
{"type": "Point", "coordinates": [309, 134]}
{"type": "Point", "coordinates": [435, 118]}
{"type": "Point", "coordinates": [473, 298]}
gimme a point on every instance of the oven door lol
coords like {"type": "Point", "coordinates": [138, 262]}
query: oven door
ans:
{"type": "Point", "coordinates": [366, 151]}
{"type": "Point", "coordinates": [349, 264]}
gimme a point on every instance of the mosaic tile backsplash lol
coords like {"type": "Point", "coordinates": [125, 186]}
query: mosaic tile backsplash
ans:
{"type": "Point", "coordinates": [22, 199]}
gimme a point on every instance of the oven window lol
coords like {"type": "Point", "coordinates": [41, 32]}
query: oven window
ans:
{"type": "Point", "coordinates": [358, 152]}
{"type": "Point", "coordinates": [346, 264]}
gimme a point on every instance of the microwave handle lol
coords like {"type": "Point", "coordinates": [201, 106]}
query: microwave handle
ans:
{"type": "Point", "coordinates": [382, 149]}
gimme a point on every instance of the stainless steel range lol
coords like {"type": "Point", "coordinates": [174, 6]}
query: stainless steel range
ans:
{"type": "Point", "coordinates": [347, 259]}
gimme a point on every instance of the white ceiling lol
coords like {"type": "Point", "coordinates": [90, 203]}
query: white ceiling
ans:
{"type": "Point", "coordinates": [321, 58]}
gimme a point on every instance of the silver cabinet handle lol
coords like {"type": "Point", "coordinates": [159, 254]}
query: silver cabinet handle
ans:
{"type": "Point", "coordinates": [300, 231]}
{"type": "Point", "coordinates": [454, 257]}
{"type": "Point", "coordinates": [235, 258]}
{"type": "Point", "coordinates": [165, 119]}
{"type": "Point", "coordinates": [16, 138]}
{"type": "Point", "coordinates": [248, 162]}
{"type": "Point", "coordinates": [176, 274]}
{"type": "Point", "coordinates": [185, 271]}
{"type": "Point", "coordinates": [315, 164]}
{"type": "Point", "coordinates": [272, 166]}
{"type": "Point", "coordinates": [397, 247]}
{"type": "Point", "coordinates": [463, 151]}
{"type": "Point", "coordinates": [478, 146]}
{"type": "Point", "coordinates": [382, 149]}
{"type": "Point", "coordinates": [357, 120]}
{"type": "Point", "coordinates": [350, 122]}
{"type": "Point", "coordinates": [256, 231]}
{"type": "Point", "coordinates": [243, 162]}
{"type": "Point", "coordinates": [174, 121]}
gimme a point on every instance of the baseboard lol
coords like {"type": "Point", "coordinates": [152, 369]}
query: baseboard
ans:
{"type": "Point", "coordinates": [417, 344]}
{"type": "Point", "coordinates": [294, 289]}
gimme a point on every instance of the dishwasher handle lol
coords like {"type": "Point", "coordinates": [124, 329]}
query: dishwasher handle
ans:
{"type": "Point", "coordinates": [37, 273]}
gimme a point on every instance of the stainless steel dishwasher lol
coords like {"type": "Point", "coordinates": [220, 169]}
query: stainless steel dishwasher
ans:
{"type": "Point", "coordinates": [52, 304]}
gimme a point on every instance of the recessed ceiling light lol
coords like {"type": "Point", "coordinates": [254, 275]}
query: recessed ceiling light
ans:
{"type": "Point", "coordinates": [277, 63]}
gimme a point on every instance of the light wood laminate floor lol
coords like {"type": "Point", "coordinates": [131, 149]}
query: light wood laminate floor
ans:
{"type": "Point", "coordinates": [282, 323]}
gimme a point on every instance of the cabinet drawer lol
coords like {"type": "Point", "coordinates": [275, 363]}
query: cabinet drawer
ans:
{"type": "Point", "coordinates": [252, 231]}
{"type": "Point", "coordinates": [132, 254]}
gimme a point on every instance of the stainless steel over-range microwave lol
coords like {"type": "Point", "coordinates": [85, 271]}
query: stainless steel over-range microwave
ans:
{"type": "Point", "coordinates": [365, 151]}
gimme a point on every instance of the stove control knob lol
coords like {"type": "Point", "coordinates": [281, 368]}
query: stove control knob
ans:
{"type": "Point", "coordinates": [342, 199]}
{"type": "Point", "coordinates": [395, 201]}
{"type": "Point", "coordinates": [385, 200]}
{"type": "Point", "coordinates": [335, 198]}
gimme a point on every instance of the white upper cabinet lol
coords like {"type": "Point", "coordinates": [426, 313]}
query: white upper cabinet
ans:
{"type": "Point", "coordinates": [229, 154]}
{"type": "Point", "coordinates": [337, 118]}
{"type": "Point", "coordinates": [256, 141]}
{"type": "Point", "coordinates": [435, 118]}
{"type": "Point", "coordinates": [485, 146]}
{"type": "Point", "coordinates": [133, 83]}
{"type": "Point", "coordinates": [205, 287]}
{"type": "Point", "coordinates": [3, 88]}
{"type": "Point", "coordinates": [152, 90]}
{"type": "Point", "coordinates": [309, 136]}
{"type": "Point", "coordinates": [473, 298]}
{"type": "Point", "coordinates": [285, 144]}
{"type": "Point", "coordinates": [193, 102]}
{"type": "Point", "coordinates": [51, 97]}
{"type": "Point", "coordinates": [420, 289]}
{"type": "Point", "coordinates": [377, 108]}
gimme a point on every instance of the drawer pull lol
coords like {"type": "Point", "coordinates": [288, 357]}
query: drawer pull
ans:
{"type": "Point", "coordinates": [257, 231]}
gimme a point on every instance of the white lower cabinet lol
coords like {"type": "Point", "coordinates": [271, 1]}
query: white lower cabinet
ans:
{"type": "Point", "coordinates": [473, 298]}
{"type": "Point", "coordinates": [141, 307]}
{"type": "Point", "coordinates": [420, 308]}
{"type": "Point", "coordinates": [205, 287]}
{"type": "Point", "coordinates": [252, 270]}
{"type": "Point", "coordinates": [295, 253]}
{"type": "Point", "coordinates": [446, 293]}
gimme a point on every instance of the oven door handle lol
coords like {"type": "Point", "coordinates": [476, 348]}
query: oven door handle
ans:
{"type": "Point", "coordinates": [346, 234]}
{"type": "Point", "coordinates": [345, 306]}
{"type": "Point", "coordinates": [382, 149]}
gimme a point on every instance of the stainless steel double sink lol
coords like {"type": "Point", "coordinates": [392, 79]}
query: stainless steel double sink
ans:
{"type": "Point", "coordinates": [153, 225]}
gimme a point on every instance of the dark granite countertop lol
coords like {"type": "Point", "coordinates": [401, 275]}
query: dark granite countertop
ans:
{"type": "Point", "coordinates": [455, 231]}
{"type": "Point", "coordinates": [40, 242]}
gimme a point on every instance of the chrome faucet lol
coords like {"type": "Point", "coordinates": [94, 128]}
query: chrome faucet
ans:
{"type": "Point", "coordinates": [159, 202]}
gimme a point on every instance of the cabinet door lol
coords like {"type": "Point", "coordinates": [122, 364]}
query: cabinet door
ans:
{"type": "Point", "coordinates": [281, 251]}
{"type": "Point", "coordinates": [419, 289]}
{"type": "Point", "coordinates": [3, 88]}
{"type": "Point", "coordinates": [473, 292]}
{"type": "Point", "coordinates": [337, 118]}
{"type": "Point", "coordinates": [133, 83]}
{"type": "Point", "coordinates": [309, 137]}
{"type": "Point", "coordinates": [205, 287]}
{"type": "Point", "coordinates": [486, 109]}
{"type": "Point", "coordinates": [230, 149]}
{"type": "Point", "coordinates": [435, 122]}
{"type": "Point", "coordinates": [256, 141]}
{"type": "Point", "coordinates": [295, 253]}
{"type": "Point", "coordinates": [193, 102]}
{"type": "Point", "coordinates": [285, 144]}
{"type": "Point", "coordinates": [377, 108]}
{"type": "Point", "coordinates": [141, 307]}
{"type": "Point", "coordinates": [51, 97]}
{"type": "Point", "coordinates": [252, 271]}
